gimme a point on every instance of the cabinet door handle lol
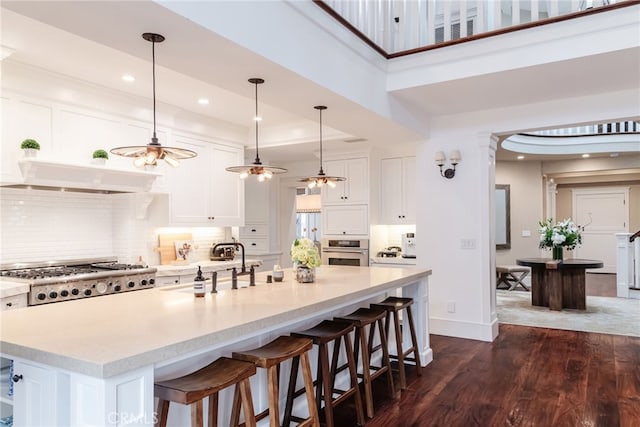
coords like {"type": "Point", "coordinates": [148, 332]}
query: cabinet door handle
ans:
{"type": "Point", "coordinates": [16, 378]}
{"type": "Point", "coordinates": [253, 244]}
{"type": "Point", "coordinates": [253, 230]}
{"type": "Point", "coordinates": [9, 304]}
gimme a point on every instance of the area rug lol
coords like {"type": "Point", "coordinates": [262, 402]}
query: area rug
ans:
{"type": "Point", "coordinates": [607, 315]}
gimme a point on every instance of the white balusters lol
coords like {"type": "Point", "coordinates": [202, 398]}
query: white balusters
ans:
{"type": "Point", "coordinates": [426, 22]}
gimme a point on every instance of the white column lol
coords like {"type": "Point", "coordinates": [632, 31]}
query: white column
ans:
{"type": "Point", "coordinates": [488, 145]}
{"type": "Point", "coordinates": [624, 264]}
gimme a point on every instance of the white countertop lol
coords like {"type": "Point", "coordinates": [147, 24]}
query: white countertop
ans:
{"type": "Point", "coordinates": [9, 289]}
{"type": "Point", "coordinates": [206, 265]}
{"type": "Point", "coordinates": [113, 334]}
{"type": "Point", "coordinates": [393, 260]}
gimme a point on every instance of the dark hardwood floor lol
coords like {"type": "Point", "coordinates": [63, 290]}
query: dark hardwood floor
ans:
{"type": "Point", "coordinates": [526, 377]}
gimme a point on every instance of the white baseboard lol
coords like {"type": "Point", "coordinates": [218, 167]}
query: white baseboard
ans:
{"type": "Point", "coordinates": [634, 293]}
{"type": "Point", "coordinates": [460, 329]}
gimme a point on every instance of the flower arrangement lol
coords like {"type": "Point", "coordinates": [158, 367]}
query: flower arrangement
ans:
{"type": "Point", "coordinates": [562, 234]}
{"type": "Point", "coordinates": [305, 253]}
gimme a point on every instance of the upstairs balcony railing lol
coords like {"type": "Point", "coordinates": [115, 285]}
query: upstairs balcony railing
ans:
{"type": "Point", "coordinates": [400, 27]}
{"type": "Point", "coordinates": [595, 129]}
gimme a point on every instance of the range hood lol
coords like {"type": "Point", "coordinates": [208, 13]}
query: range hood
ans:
{"type": "Point", "coordinates": [88, 178]}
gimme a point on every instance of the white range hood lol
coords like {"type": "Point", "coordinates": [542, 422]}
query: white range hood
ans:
{"type": "Point", "coordinates": [96, 178]}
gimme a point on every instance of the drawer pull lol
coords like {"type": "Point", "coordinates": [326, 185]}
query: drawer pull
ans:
{"type": "Point", "coordinates": [253, 244]}
{"type": "Point", "coordinates": [9, 304]}
{"type": "Point", "coordinates": [253, 230]}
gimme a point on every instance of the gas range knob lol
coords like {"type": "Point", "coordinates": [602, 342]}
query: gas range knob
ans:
{"type": "Point", "coordinates": [143, 282]}
{"type": "Point", "coordinates": [117, 288]}
{"type": "Point", "coordinates": [152, 281]}
{"type": "Point", "coordinates": [42, 296]}
{"type": "Point", "coordinates": [87, 292]}
{"type": "Point", "coordinates": [64, 293]}
{"type": "Point", "coordinates": [131, 284]}
{"type": "Point", "coordinates": [53, 295]}
{"type": "Point", "coordinates": [75, 291]}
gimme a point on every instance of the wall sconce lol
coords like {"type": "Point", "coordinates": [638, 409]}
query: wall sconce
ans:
{"type": "Point", "coordinates": [454, 158]}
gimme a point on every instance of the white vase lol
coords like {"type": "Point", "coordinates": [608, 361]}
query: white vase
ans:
{"type": "Point", "coordinates": [305, 274]}
{"type": "Point", "coordinates": [30, 152]}
{"type": "Point", "coordinates": [100, 161]}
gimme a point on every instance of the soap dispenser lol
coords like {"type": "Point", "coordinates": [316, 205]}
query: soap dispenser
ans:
{"type": "Point", "coordinates": [198, 284]}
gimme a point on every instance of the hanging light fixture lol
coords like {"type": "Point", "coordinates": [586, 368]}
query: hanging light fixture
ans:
{"type": "Point", "coordinates": [321, 178]}
{"type": "Point", "coordinates": [149, 155]}
{"type": "Point", "coordinates": [263, 172]}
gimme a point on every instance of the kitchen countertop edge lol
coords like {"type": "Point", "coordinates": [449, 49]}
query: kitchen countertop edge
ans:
{"type": "Point", "coordinates": [212, 339]}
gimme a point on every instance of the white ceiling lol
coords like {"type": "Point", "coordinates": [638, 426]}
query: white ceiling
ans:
{"type": "Point", "coordinates": [98, 41]}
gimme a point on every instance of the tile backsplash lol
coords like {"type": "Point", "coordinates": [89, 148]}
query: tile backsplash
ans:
{"type": "Point", "coordinates": [41, 225]}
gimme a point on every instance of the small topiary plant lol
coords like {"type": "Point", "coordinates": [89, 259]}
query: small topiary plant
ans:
{"type": "Point", "coordinates": [100, 154]}
{"type": "Point", "coordinates": [30, 143]}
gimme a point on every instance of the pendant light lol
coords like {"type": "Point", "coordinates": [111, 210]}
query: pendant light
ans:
{"type": "Point", "coordinates": [263, 172]}
{"type": "Point", "coordinates": [149, 155]}
{"type": "Point", "coordinates": [322, 178]}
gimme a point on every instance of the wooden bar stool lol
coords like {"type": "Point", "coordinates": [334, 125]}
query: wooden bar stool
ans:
{"type": "Point", "coordinates": [362, 319]}
{"type": "Point", "coordinates": [191, 389]}
{"type": "Point", "coordinates": [269, 357]}
{"type": "Point", "coordinates": [322, 334]}
{"type": "Point", "coordinates": [393, 305]}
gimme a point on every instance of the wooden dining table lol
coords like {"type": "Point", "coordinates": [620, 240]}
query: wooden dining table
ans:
{"type": "Point", "coordinates": [559, 284]}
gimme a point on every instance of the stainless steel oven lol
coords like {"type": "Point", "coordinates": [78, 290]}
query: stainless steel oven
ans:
{"type": "Point", "coordinates": [353, 252]}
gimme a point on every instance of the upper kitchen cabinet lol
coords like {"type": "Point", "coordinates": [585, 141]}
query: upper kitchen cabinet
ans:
{"type": "Point", "coordinates": [355, 189]}
{"type": "Point", "coordinates": [398, 190]}
{"type": "Point", "coordinates": [201, 191]}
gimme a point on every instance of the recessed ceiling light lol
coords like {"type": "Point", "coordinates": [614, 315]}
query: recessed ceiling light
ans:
{"type": "Point", "coordinates": [584, 156]}
{"type": "Point", "coordinates": [128, 78]}
{"type": "Point", "coordinates": [203, 101]}
{"type": "Point", "coordinates": [520, 157]}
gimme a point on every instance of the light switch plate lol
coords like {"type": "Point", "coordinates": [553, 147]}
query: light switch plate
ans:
{"type": "Point", "coordinates": [526, 233]}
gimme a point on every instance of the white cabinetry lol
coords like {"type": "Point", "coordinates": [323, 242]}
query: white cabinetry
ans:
{"type": "Point", "coordinates": [36, 396]}
{"type": "Point", "coordinates": [260, 235]}
{"type": "Point", "coordinates": [397, 190]}
{"type": "Point", "coordinates": [345, 209]}
{"type": "Point", "coordinates": [355, 189]}
{"type": "Point", "coordinates": [202, 192]}
{"type": "Point", "coordinates": [352, 220]}
{"type": "Point", "coordinates": [13, 302]}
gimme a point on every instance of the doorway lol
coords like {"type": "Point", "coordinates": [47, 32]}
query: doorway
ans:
{"type": "Point", "coordinates": [602, 212]}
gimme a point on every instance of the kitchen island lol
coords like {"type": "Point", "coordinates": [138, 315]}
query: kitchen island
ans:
{"type": "Point", "coordinates": [94, 361]}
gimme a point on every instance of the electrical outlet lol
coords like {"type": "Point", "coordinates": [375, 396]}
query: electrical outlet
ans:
{"type": "Point", "coordinates": [467, 243]}
{"type": "Point", "coordinates": [526, 233]}
{"type": "Point", "coordinates": [451, 307]}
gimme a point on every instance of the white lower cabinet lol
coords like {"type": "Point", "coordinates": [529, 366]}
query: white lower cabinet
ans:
{"type": "Point", "coordinates": [12, 302]}
{"type": "Point", "coordinates": [47, 396]}
{"type": "Point", "coordinates": [345, 220]}
{"type": "Point", "coordinates": [167, 281]}
{"type": "Point", "coordinates": [39, 396]}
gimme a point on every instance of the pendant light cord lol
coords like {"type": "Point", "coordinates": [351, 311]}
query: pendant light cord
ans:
{"type": "Point", "coordinates": [257, 160]}
{"type": "Point", "coordinates": [153, 59]}
{"type": "Point", "coordinates": [321, 171]}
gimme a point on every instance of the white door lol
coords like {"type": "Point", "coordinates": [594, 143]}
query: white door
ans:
{"type": "Point", "coordinates": [603, 213]}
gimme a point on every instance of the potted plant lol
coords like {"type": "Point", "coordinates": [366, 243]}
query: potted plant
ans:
{"type": "Point", "coordinates": [100, 157]}
{"type": "Point", "coordinates": [30, 147]}
{"type": "Point", "coordinates": [306, 258]}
